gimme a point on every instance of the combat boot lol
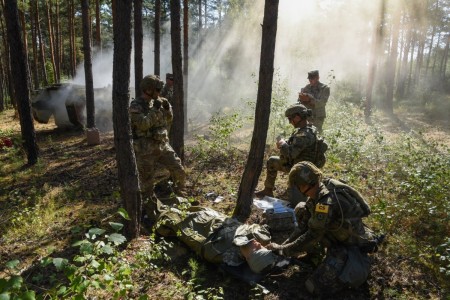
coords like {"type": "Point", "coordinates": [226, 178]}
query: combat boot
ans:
{"type": "Point", "coordinates": [265, 192]}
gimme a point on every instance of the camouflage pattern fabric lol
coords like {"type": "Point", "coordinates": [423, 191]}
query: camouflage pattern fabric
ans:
{"type": "Point", "coordinates": [321, 93]}
{"type": "Point", "coordinates": [301, 146]}
{"type": "Point", "coordinates": [150, 142]}
{"type": "Point", "coordinates": [334, 220]}
{"type": "Point", "coordinates": [167, 92]}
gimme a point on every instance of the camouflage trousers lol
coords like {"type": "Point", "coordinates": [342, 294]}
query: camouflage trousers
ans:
{"type": "Point", "coordinates": [149, 156]}
{"type": "Point", "coordinates": [318, 122]}
{"type": "Point", "coordinates": [339, 270]}
{"type": "Point", "coordinates": [277, 164]}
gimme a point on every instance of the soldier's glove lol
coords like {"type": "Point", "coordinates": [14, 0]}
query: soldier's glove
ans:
{"type": "Point", "coordinates": [303, 97]}
{"type": "Point", "coordinates": [166, 104]}
{"type": "Point", "coordinates": [157, 103]}
{"type": "Point", "coordinates": [274, 246]}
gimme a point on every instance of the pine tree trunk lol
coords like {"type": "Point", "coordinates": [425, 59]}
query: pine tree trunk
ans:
{"type": "Point", "coordinates": [178, 94]}
{"type": "Point", "coordinates": [138, 40]}
{"type": "Point", "coordinates": [255, 158]}
{"type": "Point", "coordinates": [157, 37]}
{"type": "Point", "coordinates": [185, 59]}
{"type": "Point", "coordinates": [19, 71]}
{"type": "Point", "coordinates": [34, 46]}
{"type": "Point", "coordinates": [98, 29]}
{"type": "Point", "coordinates": [89, 81]}
{"type": "Point", "coordinates": [57, 42]}
{"type": "Point", "coordinates": [7, 62]}
{"type": "Point", "coordinates": [388, 104]}
{"type": "Point", "coordinates": [126, 160]}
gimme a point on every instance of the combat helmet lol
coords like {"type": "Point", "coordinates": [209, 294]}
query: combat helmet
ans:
{"type": "Point", "coordinates": [304, 172]}
{"type": "Point", "coordinates": [297, 109]}
{"type": "Point", "coordinates": [151, 82]}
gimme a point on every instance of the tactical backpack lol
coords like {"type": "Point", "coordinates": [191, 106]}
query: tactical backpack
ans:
{"type": "Point", "coordinates": [321, 148]}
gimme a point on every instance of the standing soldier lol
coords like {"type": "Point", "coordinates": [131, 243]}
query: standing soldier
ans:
{"type": "Point", "coordinates": [150, 116]}
{"type": "Point", "coordinates": [303, 145]}
{"type": "Point", "coordinates": [167, 92]}
{"type": "Point", "coordinates": [315, 96]}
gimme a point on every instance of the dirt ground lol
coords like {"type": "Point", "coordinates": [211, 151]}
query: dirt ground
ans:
{"type": "Point", "coordinates": [69, 160]}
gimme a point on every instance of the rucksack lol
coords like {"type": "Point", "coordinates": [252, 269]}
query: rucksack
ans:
{"type": "Point", "coordinates": [321, 148]}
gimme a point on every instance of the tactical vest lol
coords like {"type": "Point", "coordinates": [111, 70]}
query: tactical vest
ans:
{"type": "Point", "coordinates": [158, 131]}
{"type": "Point", "coordinates": [309, 153]}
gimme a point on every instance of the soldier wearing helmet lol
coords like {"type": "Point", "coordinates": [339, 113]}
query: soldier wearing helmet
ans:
{"type": "Point", "coordinates": [333, 218]}
{"type": "Point", "coordinates": [150, 117]}
{"type": "Point", "coordinates": [315, 96]}
{"type": "Point", "coordinates": [301, 146]}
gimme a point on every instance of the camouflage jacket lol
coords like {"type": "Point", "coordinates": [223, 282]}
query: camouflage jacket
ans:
{"type": "Point", "coordinates": [334, 218]}
{"type": "Point", "coordinates": [167, 92]}
{"type": "Point", "coordinates": [320, 93]}
{"type": "Point", "coordinates": [148, 121]}
{"type": "Point", "coordinates": [301, 145]}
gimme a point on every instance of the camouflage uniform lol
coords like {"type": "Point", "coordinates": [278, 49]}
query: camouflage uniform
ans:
{"type": "Point", "coordinates": [334, 221]}
{"type": "Point", "coordinates": [209, 233]}
{"type": "Point", "coordinates": [150, 142]}
{"type": "Point", "coordinates": [320, 93]}
{"type": "Point", "coordinates": [301, 146]}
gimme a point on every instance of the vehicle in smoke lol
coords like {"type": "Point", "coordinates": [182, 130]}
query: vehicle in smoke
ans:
{"type": "Point", "coordinates": [66, 102]}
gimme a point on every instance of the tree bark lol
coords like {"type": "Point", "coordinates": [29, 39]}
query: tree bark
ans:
{"type": "Point", "coordinates": [178, 95]}
{"type": "Point", "coordinates": [255, 158]}
{"type": "Point", "coordinates": [126, 160]}
{"type": "Point", "coordinates": [34, 47]}
{"type": "Point", "coordinates": [25, 41]}
{"type": "Point", "coordinates": [98, 29]}
{"type": "Point", "coordinates": [157, 37]}
{"type": "Point", "coordinates": [138, 40]}
{"type": "Point", "coordinates": [185, 59]}
{"type": "Point", "coordinates": [57, 42]}
{"type": "Point", "coordinates": [19, 72]}
{"type": "Point", "coordinates": [89, 81]}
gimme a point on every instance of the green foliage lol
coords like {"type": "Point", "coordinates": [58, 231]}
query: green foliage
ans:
{"type": "Point", "coordinates": [12, 286]}
{"type": "Point", "coordinates": [197, 291]}
{"type": "Point", "coordinates": [218, 142]}
{"type": "Point", "coordinates": [405, 179]}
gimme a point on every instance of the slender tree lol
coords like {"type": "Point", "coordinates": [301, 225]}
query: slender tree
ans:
{"type": "Point", "coordinates": [51, 39]}
{"type": "Point", "coordinates": [185, 59]}
{"type": "Point", "coordinates": [392, 62]}
{"type": "Point", "coordinates": [255, 158]}
{"type": "Point", "coordinates": [157, 37]}
{"type": "Point", "coordinates": [19, 72]}
{"type": "Point", "coordinates": [138, 40]}
{"type": "Point", "coordinates": [126, 160]}
{"type": "Point", "coordinates": [89, 81]}
{"type": "Point", "coordinates": [98, 30]}
{"type": "Point", "coordinates": [34, 47]}
{"type": "Point", "coordinates": [178, 94]}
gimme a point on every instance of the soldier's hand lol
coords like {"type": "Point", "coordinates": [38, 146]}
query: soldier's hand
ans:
{"type": "Point", "coordinates": [280, 143]}
{"type": "Point", "coordinates": [157, 103]}
{"type": "Point", "coordinates": [304, 98]}
{"type": "Point", "coordinates": [273, 246]}
{"type": "Point", "coordinates": [166, 104]}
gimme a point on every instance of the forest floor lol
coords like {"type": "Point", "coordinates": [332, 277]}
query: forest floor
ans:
{"type": "Point", "coordinates": [88, 176]}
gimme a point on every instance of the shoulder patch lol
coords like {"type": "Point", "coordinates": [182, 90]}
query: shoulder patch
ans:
{"type": "Point", "coordinates": [322, 208]}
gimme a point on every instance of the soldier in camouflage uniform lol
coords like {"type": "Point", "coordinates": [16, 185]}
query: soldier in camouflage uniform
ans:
{"type": "Point", "coordinates": [150, 116]}
{"type": "Point", "coordinates": [301, 146]}
{"type": "Point", "coordinates": [333, 218]}
{"type": "Point", "coordinates": [167, 92]}
{"type": "Point", "coordinates": [315, 96]}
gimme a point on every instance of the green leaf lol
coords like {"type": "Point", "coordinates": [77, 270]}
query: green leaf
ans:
{"type": "Point", "coordinates": [117, 238]}
{"type": "Point", "coordinates": [96, 231]}
{"type": "Point", "coordinates": [95, 264]}
{"type": "Point", "coordinates": [123, 213]}
{"type": "Point", "coordinates": [116, 226]}
{"type": "Point", "coordinates": [4, 296]}
{"type": "Point", "coordinates": [60, 263]}
{"type": "Point", "coordinates": [107, 249]}
{"type": "Point", "coordinates": [62, 290]}
{"type": "Point", "coordinates": [28, 295]}
{"type": "Point", "coordinates": [79, 243]}
{"type": "Point", "coordinates": [16, 282]}
{"type": "Point", "coordinates": [12, 264]}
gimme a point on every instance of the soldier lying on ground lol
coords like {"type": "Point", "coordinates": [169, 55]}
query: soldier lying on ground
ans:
{"type": "Point", "coordinates": [220, 239]}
